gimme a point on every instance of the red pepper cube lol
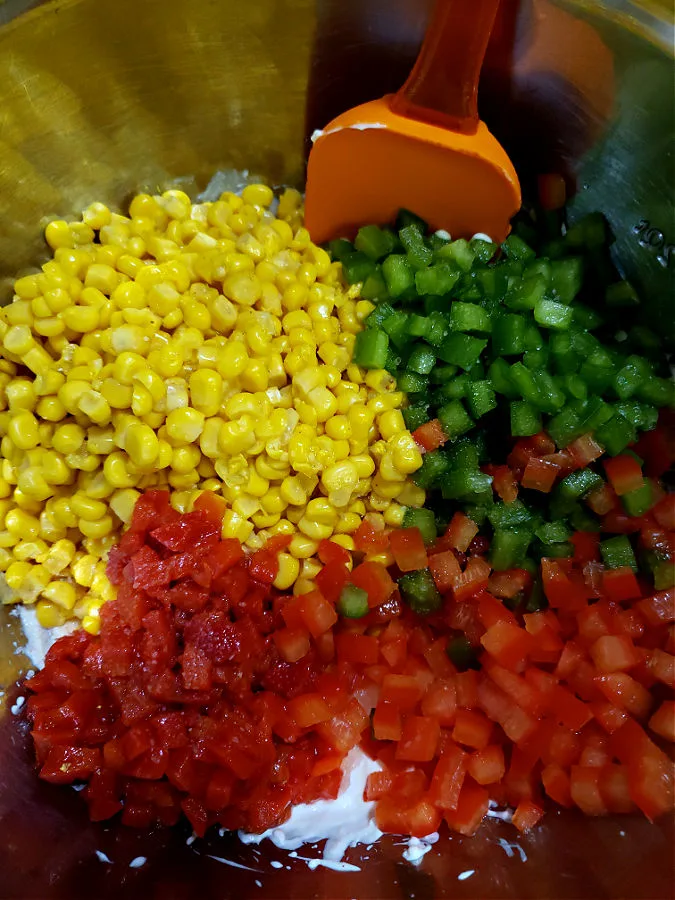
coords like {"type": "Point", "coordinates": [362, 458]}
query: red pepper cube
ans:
{"type": "Point", "coordinates": [430, 435]}
{"type": "Point", "coordinates": [358, 649]}
{"type": "Point", "coordinates": [404, 691]}
{"type": "Point", "coordinates": [461, 531]}
{"type": "Point", "coordinates": [526, 815]}
{"type": "Point", "coordinates": [445, 570]}
{"type": "Point", "coordinates": [614, 653]}
{"type": "Point", "coordinates": [440, 701]}
{"type": "Point", "coordinates": [620, 584]}
{"type": "Point", "coordinates": [408, 550]}
{"type": "Point", "coordinates": [625, 692]}
{"type": "Point", "coordinates": [292, 643]}
{"type": "Point", "coordinates": [375, 580]}
{"type": "Point", "coordinates": [556, 782]}
{"type": "Point", "coordinates": [419, 740]}
{"type": "Point", "coordinates": [448, 777]}
{"type": "Point", "coordinates": [308, 710]}
{"type": "Point", "coordinates": [472, 729]}
{"type": "Point", "coordinates": [472, 807]}
{"type": "Point", "coordinates": [330, 552]}
{"type": "Point", "coordinates": [317, 614]}
{"type": "Point", "coordinates": [540, 474]}
{"type": "Point", "coordinates": [369, 539]}
{"type": "Point", "coordinates": [624, 473]}
{"type": "Point", "coordinates": [508, 644]}
{"type": "Point", "coordinates": [473, 579]}
{"type": "Point", "coordinates": [387, 724]}
{"type": "Point", "coordinates": [487, 766]}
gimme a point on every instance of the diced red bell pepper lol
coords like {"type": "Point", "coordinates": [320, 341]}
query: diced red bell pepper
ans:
{"type": "Point", "coordinates": [585, 450]}
{"type": "Point", "coordinates": [461, 531]}
{"type": "Point", "coordinates": [663, 721]}
{"type": "Point", "coordinates": [440, 701]}
{"type": "Point", "coordinates": [609, 716]}
{"type": "Point", "coordinates": [472, 808]}
{"type": "Point", "coordinates": [358, 649]}
{"type": "Point", "coordinates": [526, 815]}
{"type": "Point", "coordinates": [614, 653]}
{"type": "Point", "coordinates": [664, 512]}
{"type": "Point", "coordinates": [404, 691]}
{"type": "Point", "coordinates": [330, 552]}
{"type": "Point", "coordinates": [585, 790]}
{"type": "Point", "coordinates": [586, 546]}
{"type": "Point", "coordinates": [316, 613]}
{"type": "Point", "coordinates": [445, 570]}
{"type": "Point", "coordinates": [624, 473]}
{"type": "Point", "coordinates": [540, 474]}
{"type": "Point", "coordinates": [419, 740]}
{"type": "Point", "coordinates": [615, 788]}
{"type": "Point", "coordinates": [375, 580]}
{"type": "Point", "coordinates": [292, 643]}
{"type": "Point", "coordinates": [472, 729]}
{"type": "Point", "coordinates": [473, 579]}
{"type": "Point", "coordinates": [568, 709]}
{"type": "Point", "coordinates": [331, 579]}
{"type": "Point", "coordinates": [602, 500]}
{"type": "Point", "coordinates": [408, 550]}
{"type": "Point", "coordinates": [556, 782]}
{"type": "Point", "coordinates": [448, 777]}
{"type": "Point", "coordinates": [430, 435]}
{"type": "Point", "coordinates": [508, 645]}
{"type": "Point", "coordinates": [659, 609]}
{"type": "Point", "coordinates": [561, 592]}
{"type": "Point", "coordinates": [309, 709]}
{"type": "Point", "coordinates": [503, 482]}
{"type": "Point", "coordinates": [510, 583]}
{"type": "Point", "coordinates": [620, 584]}
{"type": "Point", "coordinates": [387, 722]}
{"type": "Point", "coordinates": [625, 692]}
{"type": "Point", "coordinates": [487, 766]}
{"type": "Point", "coordinates": [370, 539]}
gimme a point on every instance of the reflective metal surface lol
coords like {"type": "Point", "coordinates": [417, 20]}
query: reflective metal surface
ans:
{"type": "Point", "coordinates": [99, 98]}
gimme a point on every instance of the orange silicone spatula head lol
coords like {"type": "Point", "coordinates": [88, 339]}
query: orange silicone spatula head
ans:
{"type": "Point", "coordinates": [423, 149]}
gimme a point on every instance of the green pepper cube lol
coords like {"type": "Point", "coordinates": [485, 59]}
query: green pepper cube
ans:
{"type": "Point", "coordinates": [508, 335]}
{"type": "Point", "coordinates": [459, 252]}
{"type": "Point", "coordinates": [461, 350]}
{"type": "Point", "coordinates": [340, 248]}
{"type": "Point", "coordinates": [577, 484]}
{"type": "Point", "coordinates": [615, 434]}
{"type": "Point", "coordinates": [525, 419]}
{"type": "Point", "coordinates": [516, 248]}
{"type": "Point", "coordinates": [617, 552]}
{"type": "Point", "coordinates": [480, 398]}
{"type": "Point", "coordinates": [414, 416]}
{"type": "Point", "coordinates": [554, 315]}
{"type": "Point", "coordinates": [461, 653]}
{"type": "Point", "coordinates": [398, 274]}
{"type": "Point", "coordinates": [436, 280]}
{"type": "Point", "coordinates": [353, 602]}
{"type": "Point", "coordinates": [424, 520]}
{"type": "Point", "coordinates": [499, 374]}
{"type": "Point", "coordinates": [418, 253]}
{"type": "Point", "coordinates": [526, 294]}
{"type": "Point", "coordinates": [419, 591]}
{"type": "Point", "coordinates": [375, 242]}
{"type": "Point", "coordinates": [566, 278]}
{"type": "Point", "coordinates": [509, 547]}
{"type": "Point", "coordinates": [469, 317]}
{"type": "Point", "coordinates": [422, 359]}
{"type": "Point", "coordinates": [454, 419]}
{"type": "Point", "coordinates": [640, 501]}
{"type": "Point", "coordinates": [434, 466]}
{"type": "Point", "coordinates": [356, 267]}
{"type": "Point", "coordinates": [370, 348]}
{"type": "Point", "coordinates": [396, 326]}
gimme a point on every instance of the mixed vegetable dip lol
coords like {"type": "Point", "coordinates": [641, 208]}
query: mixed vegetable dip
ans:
{"type": "Point", "coordinates": [404, 502]}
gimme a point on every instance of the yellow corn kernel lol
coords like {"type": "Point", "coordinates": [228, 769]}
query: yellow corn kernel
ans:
{"type": "Point", "coordinates": [30, 549]}
{"type": "Point", "coordinates": [91, 624]}
{"type": "Point", "coordinates": [347, 523]}
{"type": "Point", "coordinates": [21, 394]}
{"type": "Point", "coordinates": [61, 594]}
{"type": "Point", "coordinates": [390, 423]}
{"type": "Point", "coordinates": [16, 573]}
{"type": "Point", "coordinates": [314, 530]}
{"type": "Point", "coordinates": [406, 454]}
{"type": "Point", "coordinates": [48, 614]}
{"type": "Point", "coordinates": [184, 425]}
{"type": "Point", "coordinates": [302, 546]}
{"type": "Point", "coordinates": [122, 504]}
{"type": "Point", "coordinates": [185, 459]}
{"type": "Point", "coordinates": [22, 524]}
{"type": "Point", "coordinates": [236, 526]}
{"type": "Point", "coordinates": [339, 481]}
{"type": "Point", "coordinates": [116, 470]}
{"type": "Point", "coordinates": [23, 430]}
{"type": "Point", "coordinates": [141, 444]}
{"type": "Point", "coordinates": [68, 438]}
{"type": "Point", "coordinates": [59, 556]}
{"type": "Point", "coordinates": [83, 570]}
{"type": "Point", "coordinates": [96, 529]}
{"type": "Point", "coordinates": [310, 568]}
{"type": "Point", "coordinates": [289, 569]}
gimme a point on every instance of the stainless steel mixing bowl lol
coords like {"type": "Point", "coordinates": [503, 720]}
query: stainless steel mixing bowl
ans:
{"type": "Point", "coordinates": [99, 98]}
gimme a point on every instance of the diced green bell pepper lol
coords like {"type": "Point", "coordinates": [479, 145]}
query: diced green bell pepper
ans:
{"type": "Point", "coordinates": [419, 591]}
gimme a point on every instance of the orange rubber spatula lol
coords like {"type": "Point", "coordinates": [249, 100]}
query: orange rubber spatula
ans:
{"type": "Point", "coordinates": [423, 148]}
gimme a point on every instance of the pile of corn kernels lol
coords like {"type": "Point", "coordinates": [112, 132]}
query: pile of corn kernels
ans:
{"type": "Point", "coordinates": [196, 346]}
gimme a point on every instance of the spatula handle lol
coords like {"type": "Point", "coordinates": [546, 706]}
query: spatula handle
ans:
{"type": "Point", "coordinates": [443, 85]}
